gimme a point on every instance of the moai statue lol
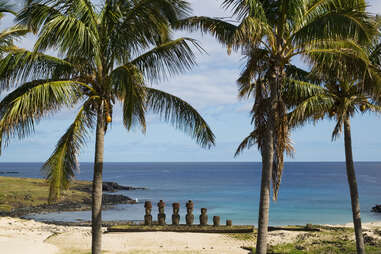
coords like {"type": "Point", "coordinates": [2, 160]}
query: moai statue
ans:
{"type": "Point", "coordinates": [216, 221]}
{"type": "Point", "coordinates": [175, 215]}
{"type": "Point", "coordinates": [161, 215]}
{"type": "Point", "coordinates": [229, 223]}
{"type": "Point", "coordinates": [203, 217]}
{"type": "Point", "coordinates": [189, 217]}
{"type": "Point", "coordinates": [148, 216]}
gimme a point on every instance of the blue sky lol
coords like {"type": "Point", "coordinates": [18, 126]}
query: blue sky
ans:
{"type": "Point", "coordinates": [210, 87]}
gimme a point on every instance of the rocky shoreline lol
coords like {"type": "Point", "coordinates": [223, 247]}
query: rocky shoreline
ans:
{"type": "Point", "coordinates": [376, 209]}
{"type": "Point", "coordinates": [114, 187]}
{"type": "Point", "coordinates": [109, 200]}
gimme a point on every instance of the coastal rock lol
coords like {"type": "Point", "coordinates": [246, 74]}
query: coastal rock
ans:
{"type": "Point", "coordinates": [116, 199]}
{"type": "Point", "coordinates": [114, 187]}
{"type": "Point", "coordinates": [376, 209]}
{"type": "Point", "coordinates": [8, 172]}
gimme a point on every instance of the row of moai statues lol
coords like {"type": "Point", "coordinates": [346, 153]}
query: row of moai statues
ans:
{"type": "Point", "coordinates": [189, 218]}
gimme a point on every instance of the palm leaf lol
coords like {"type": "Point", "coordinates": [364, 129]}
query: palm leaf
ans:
{"type": "Point", "coordinates": [247, 143]}
{"type": "Point", "coordinates": [223, 31]}
{"type": "Point", "coordinates": [168, 59]}
{"type": "Point", "coordinates": [10, 35]}
{"type": "Point", "coordinates": [181, 115]}
{"type": "Point", "coordinates": [60, 168]}
{"type": "Point", "coordinates": [128, 83]}
{"type": "Point", "coordinates": [20, 65]}
{"type": "Point", "coordinates": [5, 7]}
{"type": "Point", "coordinates": [26, 105]}
{"type": "Point", "coordinates": [63, 25]}
{"type": "Point", "coordinates": [335, 19]}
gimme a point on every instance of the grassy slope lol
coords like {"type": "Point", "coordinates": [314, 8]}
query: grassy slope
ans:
{"type": "Point", "coordinates": [26, 192]}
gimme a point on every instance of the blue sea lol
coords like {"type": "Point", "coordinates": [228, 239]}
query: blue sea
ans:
{"type": "Point", "coordinates": [311, 192]}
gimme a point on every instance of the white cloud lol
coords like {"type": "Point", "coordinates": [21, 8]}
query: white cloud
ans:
{"type": "Point", "coordinates": [206, 87]}
{"type": "Point", "coordinates": [374, 6]}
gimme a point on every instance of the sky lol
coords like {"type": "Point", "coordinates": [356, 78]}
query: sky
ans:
{"type": "Point", "coordinates": [211, 88]}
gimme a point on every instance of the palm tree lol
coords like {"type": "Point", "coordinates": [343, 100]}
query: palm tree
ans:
{"type": "Point", "coordinates": [9, 35]}
{"type": "Point", "coordinates": [351, 85]}
{"type": "Point", "coordinates": [110, 54]}
{"type": "Point", "coordinates": [284, 29]}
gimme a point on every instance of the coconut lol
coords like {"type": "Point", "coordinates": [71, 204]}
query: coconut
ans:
{"type": "Point", "coordinates": [108, 118]}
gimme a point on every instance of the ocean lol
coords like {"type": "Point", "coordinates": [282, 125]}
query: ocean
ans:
{"type": "Point", "coordinates": [311, 192]}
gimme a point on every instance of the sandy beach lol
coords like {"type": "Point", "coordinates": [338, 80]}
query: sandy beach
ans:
{"type": "Point", "coordinates": [28, 236]}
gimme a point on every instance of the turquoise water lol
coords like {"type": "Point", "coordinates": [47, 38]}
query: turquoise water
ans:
{"type": "Point", "coordinates": [310, 192]}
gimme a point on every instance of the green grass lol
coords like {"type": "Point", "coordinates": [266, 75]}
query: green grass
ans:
{"type": "Point", "coordinates": [26, 192]}
{"type": "Point", "coordinates": [332, 247]}
{"type": "Point", "coordinates": [244, 236]}
{"type": "Point", "coordinates": [329, 241]}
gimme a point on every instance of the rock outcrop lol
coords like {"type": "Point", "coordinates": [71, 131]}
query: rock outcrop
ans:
{"type": "Point", "coordinates": [376, 209]}
{"type": "Point", "coordinates": [114, 187]}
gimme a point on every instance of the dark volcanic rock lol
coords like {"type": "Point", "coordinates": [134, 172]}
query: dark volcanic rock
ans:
{"type": "Point", "coordinates": [114, 187]}
{"type": "Point", "coordinates": [116, 199]}
{"type": "Point", "coordinates": [376, 209]}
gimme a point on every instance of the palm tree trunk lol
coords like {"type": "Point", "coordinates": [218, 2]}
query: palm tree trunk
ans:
{"type": "Point", "coordinates": [353, 187]}
{"type": "Point", "coordinates": [264, 203]}
{"type": "Point", "coordinates": [96, 218]}
{"type": "Point", "coordinates": [267, 153]}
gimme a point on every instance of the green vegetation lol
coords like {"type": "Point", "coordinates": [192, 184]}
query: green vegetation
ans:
{"type": "Point", "coordinates": [270, 34]}
{"type": "Point", "coordinates": [110, 52]}
{"type": "Point", "coordinates": [330, 240]}
{"type": "Point", "coordinates": [27, 192]}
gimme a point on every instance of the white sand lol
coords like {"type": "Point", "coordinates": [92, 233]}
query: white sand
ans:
{"type": "Point", "coordinates": [28, 236]}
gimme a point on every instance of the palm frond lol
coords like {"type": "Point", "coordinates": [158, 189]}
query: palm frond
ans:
{"type": "Point", "coordinates": [20, 65]}
{"type": "Point", "coordinates": [338, 128]}
{"type": "Point", "coordinates": [241, 9]}
{"type": "Point", "coordinates": [168, 59]}
{"type": "Point", "coordinates": [311, 109]}
{"type": "Point", "coordinates": [181, 115]}
{"type": "Point", "coordinates": [38, 12]}
{"type": "Point", "coordinates": [335, 19]}
{"type": "Point", "coordinates": [171, 10]}
{"type": "Point", "coordinates": [128, 84]}
{"type": "Point", "coordinates": [297, 91]}
{"type": "Point", "coordinates": [222, 30]}
{"type": "Point", "coordinates": [63, 25]}
{"type": "Point", "coordinates": [10, 35]}
{"type": "Point", "coordinates": [26, 105]}
{"type": "Point", "coordinates": [5, 7]}
{"type": "Point", "coordinates": [61, 166]}
{"type": "Point", "coordinates": [247, 143]}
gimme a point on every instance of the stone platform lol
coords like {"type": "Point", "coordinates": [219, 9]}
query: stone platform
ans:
{"type": "Point", "coordinates": [182, 228]}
